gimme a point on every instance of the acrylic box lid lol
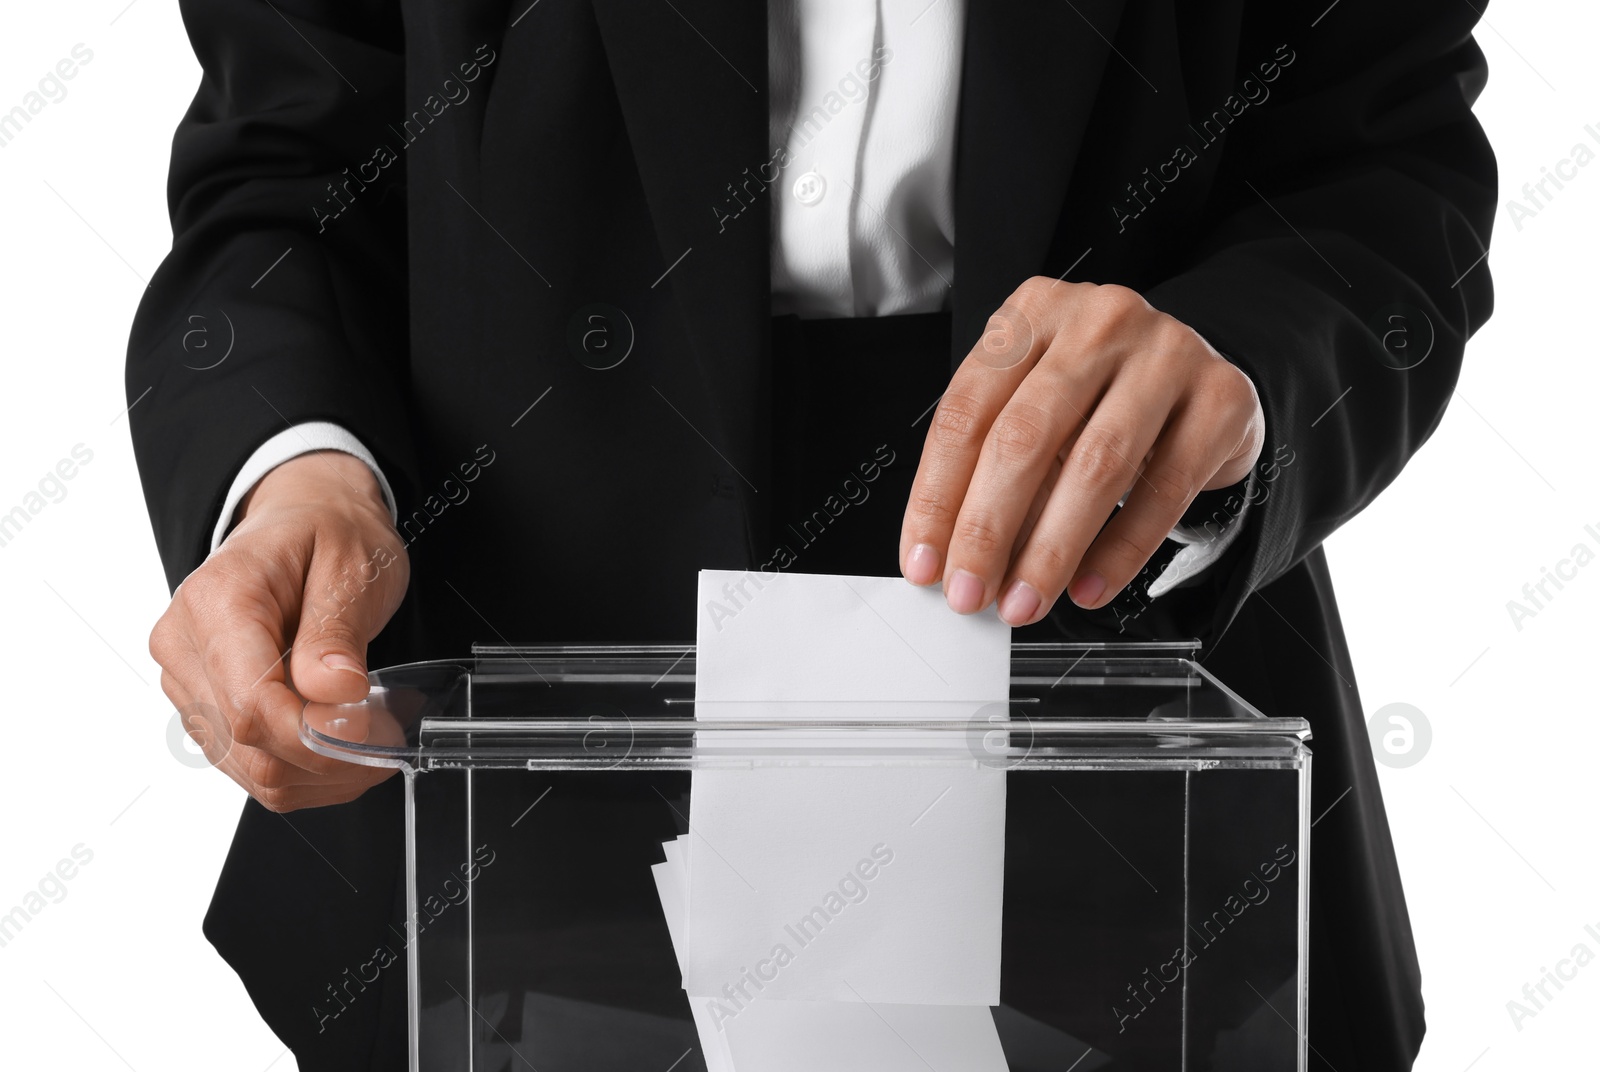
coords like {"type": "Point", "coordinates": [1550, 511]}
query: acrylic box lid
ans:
{"type": "Point", "coordinates": [1073, 705]}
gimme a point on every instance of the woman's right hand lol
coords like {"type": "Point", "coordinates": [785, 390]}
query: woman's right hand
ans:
{"type": "Point", "coordinates": [281, 613]}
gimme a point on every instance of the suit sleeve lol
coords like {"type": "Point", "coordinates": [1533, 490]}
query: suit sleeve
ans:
{"type": "Point", "coordinates": [283, 299]}
{"type": "Point", "coordinates": [1341, 263]}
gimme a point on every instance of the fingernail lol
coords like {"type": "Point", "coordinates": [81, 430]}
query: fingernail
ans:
{"type": "Point", "coordinates": [922, 564]}
{"type": "Point", "coordinates": [337, 660]}
{"type": "Point", "coordinates": [1020, 604]}
{"type": "Point", "coordinates": [964, 592]}
{"type": "Point", "coordinates": [1087, 589]}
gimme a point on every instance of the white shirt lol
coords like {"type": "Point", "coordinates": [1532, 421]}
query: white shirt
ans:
{"type": "Point", "coordinates": [864, 100]}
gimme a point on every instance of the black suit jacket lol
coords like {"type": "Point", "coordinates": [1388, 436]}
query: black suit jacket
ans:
{"type": "Point", "coordinates": [456, 183]}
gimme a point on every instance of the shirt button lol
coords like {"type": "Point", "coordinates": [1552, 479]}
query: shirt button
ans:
{"type": "Point", "coordinates": [808, 188]}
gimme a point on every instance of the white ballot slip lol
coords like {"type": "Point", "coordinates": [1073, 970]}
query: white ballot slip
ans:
{"type": "Point", "coordinates": [878, 884]}
{"type": "Point", "coordinates": [804, 1036]}
{"type": "Point", "coordinates": [841, 1036]}
{"type": "Point", "coordinates": [672, 886]}
{"type": "Point", "coordinates": [810, 646]}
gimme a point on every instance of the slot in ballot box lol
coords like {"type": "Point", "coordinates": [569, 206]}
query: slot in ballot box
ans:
{"type": "Point", "coordinates": [1108, 871]}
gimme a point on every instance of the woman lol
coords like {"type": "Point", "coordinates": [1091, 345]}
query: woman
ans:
{"type": "Point", "coordinates": [1138, 251]}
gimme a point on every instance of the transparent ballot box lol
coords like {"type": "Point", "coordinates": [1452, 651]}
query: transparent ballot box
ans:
{"type": "Point", "coordinates": [1108, 871]}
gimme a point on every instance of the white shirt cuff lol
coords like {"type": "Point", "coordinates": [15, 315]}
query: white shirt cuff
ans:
{"type": "Point", "coordinates": [1203, 544]}
{"type": "Point", "coordinates": [291, 443]}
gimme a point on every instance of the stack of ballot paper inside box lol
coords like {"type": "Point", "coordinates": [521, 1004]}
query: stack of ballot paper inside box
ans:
{"type": "Point", "coordinates": [841, 917]}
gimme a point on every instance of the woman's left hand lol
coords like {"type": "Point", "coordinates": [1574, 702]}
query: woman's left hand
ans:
{"type": "Point", "coordinates": [1076, 396]}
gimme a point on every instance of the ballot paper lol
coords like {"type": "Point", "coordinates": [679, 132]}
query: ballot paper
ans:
{"type": "Point", "coordinates": [878, 884]}
{"type": "Point", "coordinates": [804, 1036]}
{"type": "Point", "coordinates": [672, 885]}
{"type": "Point", "coordinates": [820, 646]}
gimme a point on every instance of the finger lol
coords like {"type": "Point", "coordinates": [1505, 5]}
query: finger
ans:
{"type": "Point", "coordinates": [1040, 498]}
{"type": "Point", "coordinates": [1024, 444]}
{"type": "Point", "coordinates": [1185, 461]}
{"type": "Point", "coordinates": [1011, 346]}
{"type": "Point", "coordinates": [349, 596]}
{"type": "Point", "coordinates": [256, 772]}
{"type": "Point", "coordinates": [244, 667]}
{"type": "Point", "coordinates": [298, 798]}
{"type": "Point", "coordinates": [182, 676]}
{"type": "Point", "coordinates": [204, 724]}
{"type": "Point", "coordinates": [185, 682]}
{"type": "Point", "coordinates": [1104, 461]}
{"type": "Point", "coordinates": [372, 723]}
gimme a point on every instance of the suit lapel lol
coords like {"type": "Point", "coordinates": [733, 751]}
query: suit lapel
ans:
{"type": "Point", "coordinates": [691, 80]}
{"type": "Point", "coordinates": [1030, 75]}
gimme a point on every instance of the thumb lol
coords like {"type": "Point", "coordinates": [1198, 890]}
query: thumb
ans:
{"type": "Point", "coordinates": [348, 599]}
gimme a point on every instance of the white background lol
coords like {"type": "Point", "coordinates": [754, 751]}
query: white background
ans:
{"type": "Point", "coordinates": [1495, 824]}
